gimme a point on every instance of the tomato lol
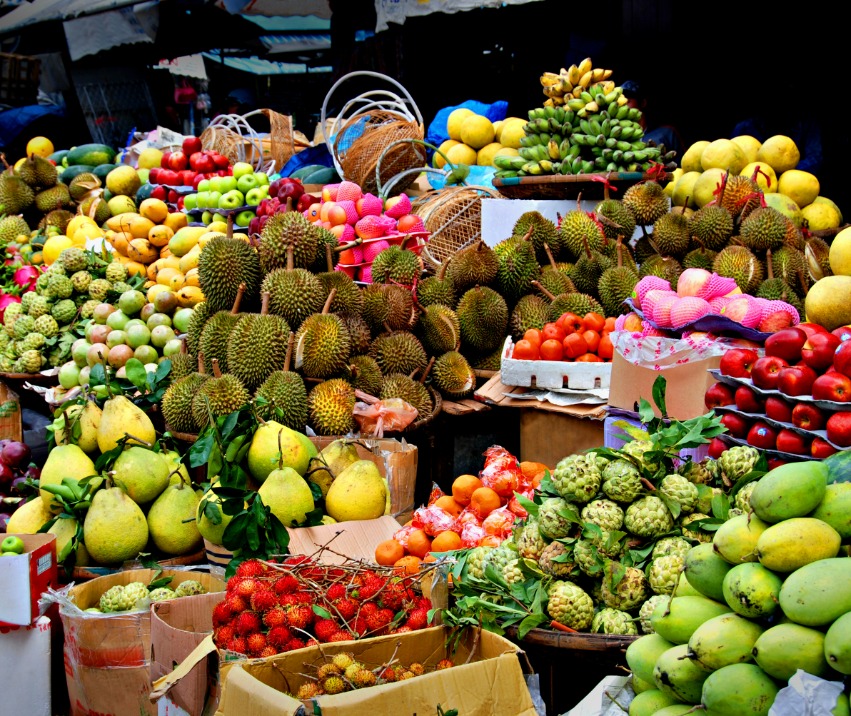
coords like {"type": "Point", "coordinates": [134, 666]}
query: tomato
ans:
{"type": "Point", "coordinates": [526, 350]}
{"type": "Point", "coordinates": [551, 350]}
{"type": "Point", "coordinates": [552, 331]}
{"type": "Point", "coordinates": [605, 350]}
{"type": "Point", "coordinates": [589, 358]}
{"type": "Point", "coordinates": [574, 345]}
{"type": "Point", "coordinates": [594, 321]}
{"type": "Point", "coordinates": [610, 324]}
{"type": "Point", "coordinates": [570, 323]}
{"type": "Point", "coordinates": [592, 338]}
{"type": "Point", "coordinates": [533, 335]}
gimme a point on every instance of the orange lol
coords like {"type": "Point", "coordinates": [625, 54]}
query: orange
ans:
{"type": "Point", "coordinates": [490, 541]}
{"type": "Point", "coordinates": [484, 501]}
{"type": "Point", "coordinates": [449, 504]}
{"type": "Point", "coordinates": [430, 558]}
{"type": "Point", "coordinates": [463, 487]}
{"type": "Point", "coordinates": [446, 541]}
{"type": "Point", "coordinates": [533, 471]}
{"type": "Point", "coordinates": [419, 543]}
{"type": "Point", "coordinates": [388, 552]}
{"type": "Point", "coordinates": [408, 565]}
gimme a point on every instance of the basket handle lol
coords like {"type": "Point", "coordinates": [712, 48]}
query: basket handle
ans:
{"type": "Point", "coordinates": [382, 191]}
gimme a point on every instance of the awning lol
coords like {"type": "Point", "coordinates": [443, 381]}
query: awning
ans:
{"type": "Point", "coordinates": [398, 11]}
{"type": "Point", "coordinates": [295, 43]}
{"type": "Point", "coordinates": [186, 66]}
{"type": "Point", "coordinates": [258, 66]}
{"type": "Point", "coordinates": [37, 11]}
{"type": "Point", "coordinates": [273, 8]}
{"type": "Point", "coordinates": [126, 26]}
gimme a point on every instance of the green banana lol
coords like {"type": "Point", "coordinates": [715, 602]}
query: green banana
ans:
{"type": "Point", "coordinates": [501, 162]}
{"type": "Point", "coordinates": [606, 127]}
{"type": "Point", "coordinates": [569, 116]}
{"type": "Point", "coordinates": [565, 167]}
{"type": "Point", "coordinates": [622, 112]}
{"type": "Point", "coordinates": [549, 112]}
{"type": "Point", "coordinates": [556, 137]}
{"type": "Point", "coordinates": [641, 156]}
{"type": "Point", "coordinates": [576, 165]}
{"type": "Point", "coordinates": [607, 154]}
{"type": "Point", "coordinates": [585, 126]}
{"type": "Point", "coordinates": [629, 156]}
{"type": "Point", "coordinates": [526, 153]}
{"type": "Point", "coordinates": [617, 156]}
{"type": "Point", "coordinates": [634, 113]}
{"type": "Point", "coordinates": [597, 151]}
{"type": "Point", "coordinates": [543, 125]}
{"type": "Point", "coordinates": [533, 168]}
{"type": "Point", "coordinates": [559, 115]}
{"type": "Point", "coordinates": [611, 167]}
{"type": "Point", "coordinates": [564, 149]}
{"type": "Point", "coordinates": [587, 167]}
{"type": "Point", "coordinates": [600, 163]}
{"type": "Point", "coordinates": [504, 174]}
{"type": "Point", "coordinates": [616, 131]}
{"type": "Point", "coordinates": [575, 104]}
{"type": "Point", "coordinates": [554, 125]}
{"type": "Point", "coordinates": [596, 127]}
{"type": "Point", "coordinates": [611, 142]}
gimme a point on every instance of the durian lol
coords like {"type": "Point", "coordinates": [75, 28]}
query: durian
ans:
{"type": "Point", "coordinates": [616, 285]}
{"type": "Point", "coordinates": [294, 293]}
{"type": "Point", "coordinates": [82, 184]}
{"type": "Point", "coordinates": [289, 229]}
{"type": "Point", "coordinates": [646, 201]}
{"type": "Point", "coordinates": [764, 228]}
{"type": "Point", "coordinates": [617, 221]}
{"type": "Point", "coordinates": [671, 235]}
{"type": "Point", "coordinates": [699, 258]}
{"type": "Point", "coordinates": [15, 194]}
{"type": "Point", "coordinates": [483, 317]}
{"type": "Point", "coordinates": [439, 328]}
{"type": "Point", "coordinates": [554, 279]}
{"type": "Point", "coordinates": [56, 197]}
{"type": "Point", "coordinates": [518, 267]}
{"type": "Point", "coordinates": [284, 395]}
{"type": "Point", "coordinates": [577, 230]}
{"type": "Point", "coordinates": [364, 374]}
{"type": "Point", "coordinates": [588, 269]}
{"type": "Point", "coordinates": [453, 376]}
{"type": "Point", "coordinates": [213, 342]}
{"type": "Point", "coordinates": [223, 265]}
{"type": "Point", "coordinates": [530, 312]}
{"type": "Point", "coordinates": [359, 333]}
{"type": "Point", "coordinates": [398, 352]}
{"type": "Point", "coordinates": [196, 324]}
{"type": "Point", "coordinates": [396, 265]}
{"type": "Point", "coordinates": [817, 256]}
{"type": "Point", "coordinates": [740, 264]}
{"type": "Point", "coordinates": [36, 171]}
{"type": "Point", "coordinates": [712, 225]}
{"type": "Point", "coordinates": [438, 289]}
{"type": "Point", "coordinates": [58, 218]}
{"type": "Point", "coordinates": [398, 385]}
{"type": "Point", "coordinates": [474, 265]}
{"type": "Point", "coordinates": [664, 267]}
{"type": "Point", "coordinates": [330, 407]}
{"type": "Point", "coordinates": [322, 344]}
{"type": "Point", "coordinates": [11, 227]}
{"type": "Point", "coordinates": [257, 346]}
{"type": "Point", "coordinates": [348, 298]}
{"type": "Point", "coordinates": [388, 306]}
{"type": "Point", "coordinates": [739, 195]}
{"type": "Point", "coordinates": [543, 233]}
{"type": "Point", "coordinates": [578, 303]}
{"type": "Point", "coordinates": [221, 394]}
{"type": "Point", "coordinates": [177, 403]}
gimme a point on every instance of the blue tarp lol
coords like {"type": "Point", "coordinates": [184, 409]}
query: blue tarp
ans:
{"type": "Point", "coordinates": [16, 120]}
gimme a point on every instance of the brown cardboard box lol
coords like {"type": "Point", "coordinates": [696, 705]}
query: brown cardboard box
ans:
{"type": "Point", "coordinates": [492, 683]}
{"type": "Point", "coordinates": [355, 539]}
{"type": "Point", "coordinates": [11, 423]}
{"type": "Point", "coordinates": [548, 437]}
{"type": "Point", "coordinates": [686, 384]}
{"type": "Point", "coordinates": [24, 577]}
{"type": "Point", "coordinates": [107, 656]}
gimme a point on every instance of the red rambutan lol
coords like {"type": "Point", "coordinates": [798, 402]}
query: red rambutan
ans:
{"type": "Point", "coordinates": [346, 607]}
{"type": "Point", "coordinates": [286, 584]}
{"type": "Point", "coordinates": [278, 636]}
{"type": "Point", "coordinates": [247, 587]}
{"type": "Point", "coordinates": [276, 616]}
{"type": "Point", "coordinates": [324, 628]}
{"type": "Point", "coordinates": [256, 642]}
{"type": "Point", "coordinates": [250, 568]}
{"type": "Point", "coordinates": [236, 604]}
{"type": "Point", "coordinates": [341, 636]}
{"type": "Point", "coordinates": [247, 622]}
{"type": "Point", "coordinates": [221, 613]}
{"type": "Point", "coordinates": [223, 635]}
{"type": "Point", "coordinates": [294, 643]}
{"type": "Point", "coordinates": [299, 616]}
{"type": "Point", "coordinates": [335, 591]}
{"type": "Point", "coordinates": [263, 599]}
{"type": "Point", "coordinates": [418, 618]}
{"type": "Point", "coordinates": [238, 645]}
{"type": "Point", "coordinates": [267, 652]}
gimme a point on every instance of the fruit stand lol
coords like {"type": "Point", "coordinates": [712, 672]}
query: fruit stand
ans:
{"type": "Point", "coordinates": [315, 433]}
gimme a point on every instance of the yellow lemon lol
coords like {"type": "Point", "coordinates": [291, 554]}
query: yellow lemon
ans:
{"type": "Point", "coordinates": [765, 177]}
{"type": "Point", "coordinates": [512, 132]}
{"type": "Point", "coordinates": [780, 152]}
{"type": "Point", "coordinates": [477, 131]}
{"type": "Point", "coordinates": [437, 160]}
{"type": "Point", "coordinates": [54, 246]}
{"type": "Point", "coordinates": [691, 159]}
{"type": "Point", "coordinates": [485, 155]}
{"type": "Point", "coordinates": [497, 128]}
{"type": "Point", "coordinates": [41, 146]}
{"type": "Point", "coordinates": [821, 216]}
{"type": "Point", "coordinates": [461, 154]}
{"type": "Point", "coordinates": [723, 154]}
{"type": "Point", "coordinates": [78, 221]}
{"type": "Point", "coordinates": [749, 145]}
{"type": "Point", "coordinates": [801, 187]}
{"type": "Point", "coordinates": [18, 163]}
{"type": "Point", "coordinates": [455, 120]}
{"type": "Point", "coordinates": [150, 158]}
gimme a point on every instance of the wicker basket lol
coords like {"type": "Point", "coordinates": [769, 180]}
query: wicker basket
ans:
{"type": "Point", "coordinates": [570, 186]}
{"type": "Point", "coordinates": [453, 218]}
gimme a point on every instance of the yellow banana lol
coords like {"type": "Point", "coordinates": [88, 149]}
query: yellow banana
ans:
{"type": "Point", "coordinates": [573, 74]}
{"type": "Point", "coordinates": [577, 90]}
{"type": "Point", "coordinates": [563, 72]}
{"type": "Point", "coordinates": [548, 79]}
{"type": "Point", "coordinates": [592, 107]}
{"type": "Point", "coordinates": [554, 91]}
{"type": "Point", "coordinates": [585, 66]}
{"type": "Point", "coordinates": [566, 86]}
{"type": "Point", "coordinates": [608, 86]}
{"type": "Point", "coordinates": [622, 100]}
{"type": "Point", "coordinates": [607, 74]}
{"type": "Point", "coordinates": [558, 101]}
{"type": "Point", "coordinates": [549, 102]}
{"type": "Point", "coordinates": [553, 150]}
{"type": "Point", "coordinates": [585, 80]}
{"type": "Point", "coordinates": [597, 74]}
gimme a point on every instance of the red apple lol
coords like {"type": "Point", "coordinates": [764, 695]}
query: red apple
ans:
{"type": "Point", "coordinates": [169, 177]}
{"type": "Point", "coordinates": [775, 462]}
{"type": "Point", "coordinates": [718, 395]}
{"type": "Point", "coordinates": [159, 192]}
{"type": "Point", "coordinates": [778, 409]}
{"type": "Point", "coordinates": [305, 200]}
{"type": "Point", "coordinates": [202, 162]}
{"type": "Point", "coordinates": [819, 350]}
{"type": "Point", "coordinates": [842, 358]}
{"type": "Point", "coordinates": [164, 160]}
{"type": "Point", "coordinates": [716, 447]}
{"type": "Point", "coordinates": [807, 416]}
{"type": "Point", "coordinates": [839, 429]}
{"type": "Point", "coordinates": [178, 161]}
{"type": "Point", "coordinates": [15, 454]}
{"type": "Point", "coordinates": [843, 333]}
{"type": "Point", "coordinates": [775, 322]}
{"type": "Point", "coordinates": [810, 328]}
{"type": "Point", "coordinates": [220, 161]}
{"type": "Point", "coordinates": [765, 371]}
{"type": "Point", "coordinates": [191, 145]}
{"type": "Point", "coordinates": [832, 386]}
{"type": "Point", "coordinates": [736, 425]}
{"type": "Point", "coordinates": [187, 177]}
{"type": "Point", "coordinates": [738, 362]}
{"type": "Point", "coordinates": [153, 175]}
{"type": "Point", "coordinates": [748, 400]}
{"type": "Point", "coordinates": [792, 442]}
{"type": "Point", "coordinates": [762, 436]}
{"type": "Point", "coordinates": [786, 343]}
{"type": "Point", "coordinates": [821, 448]}
{"type": "Point", "coordinates": [796, 380]}
{"type": "Point", "coordinates": [198, 179]}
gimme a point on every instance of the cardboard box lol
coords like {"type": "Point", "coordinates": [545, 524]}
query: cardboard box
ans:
{"type": "Point", "coordinates": [107, 656]}
{"type": "Point", "coordinates": [25, 654]}
{"type": "Point", "coordinates": [491, 683]}
{"type": "Point", "coordinates": [11, 420]}
{"type": "Point", "coordinates": [549, 437]}
{"type": "Point", "coordinates": [355, 539]}
{"type": "Point", "coordinates": [25, 577]}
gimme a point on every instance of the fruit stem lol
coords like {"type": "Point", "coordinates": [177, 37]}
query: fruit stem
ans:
{"type": "Point", "coordinates": [216, 370]}
{"type": "Point", "coordinates": [427, 370]}
{"type": "Point", "coordinates": [587, 247]}
{"type": "Point", "coordinates": [328, 301]}
{"type": "Point", "coordinates": [768, 265]}
{"type": "Point", "coordinates": [537, 284]}
{"type": "Point", "coordinates": [280, 448]}
{"type": "Point", "coordinates": [344, 247]}
{"type": "Point", "coordinates": [290, 257]}
{"type": "Point", "coordinates": [240, 292]}
{"type": "Point", "coordinates": [264, 306]}
{"type": "Point", "coordinates": [229, 233]}
{"type": "Point", "coordinates": [619, 249]}
{"type": "Point", "coordinates": [443, 268]}
{"type": "Point", "coordinates": [649, 485]}
{"type": "Point", "coordinates": [329, 257]}
{"type": "Point", "coordinates": [290, 344]}
{"type": "Point", "coordinates": [201, 366]}
{"type": "Point", "coordinates": [289, 203]}
{"type": "Point", "coordinates": [528, 234]}
{"type": "Point", "coordinates": [550, 256]}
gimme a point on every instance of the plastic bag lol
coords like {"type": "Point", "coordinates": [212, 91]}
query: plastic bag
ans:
{"type": "Point", "coordinates": [393, 414]}
{"type": "Point", "coordinates": [472, 535]}
{"type": "Point", "coordinates": [433, 520]}
{"type": "Point", "coordinates": [499, 523]}
{"type": "Point", "coordinates": [502, 472]}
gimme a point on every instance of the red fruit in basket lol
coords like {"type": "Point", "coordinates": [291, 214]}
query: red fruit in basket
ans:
{"type": "Point", "coordinates": [796, 380]}
{"type": "Point", "coordinates": [716, 448]}
{"type": "Point", "coordinates": [263, 599]}
{"type": "Point", "coordinates": [738, 362]}
{"type": "Point", "coordinates": [787, 344]}
{"type": "Point", "coordinates": [792, 442]}
{"type": "Point", "coordinates": [592, 338]}
{"type": "Point", "coordinates": [551, 349]}
{"type": "Point", "coordinates": [832, 386]}
{"type": "Point", "coordinates": [247, 587]}
{"type": "Point", "coordinates": [276, 616]}
{"type": "Point", "coordinates": [574, 345]}
{"type": "Point", "coordinates": [341, 636]}
{"type": "Point", "coordinates": [347, 608]}
{"type": "Point", "coordinates": [250, 568]}
{"type": "Point", "coordinates": [393, 596]}
{"type": "Point", "coordinates": [762, 436]}
{"type": "Point", "coordinates": [369, 227]}
{"type": "Point", "coordinates": [299, 616]}
{"type": "Point", "coordinates": [397, 206]}
{"type": "Point", "coordinates": [718, 395]}
{"type": "Point", "coordinates": [236, 604]}
{"type": "Point", "coordinates": [839, 429]}
{"type": "Point", "coordinates": [324, 628]}
{"type": "Point", "coordinates": [418, 618]}
{"type": "Point", "coordinates": [370, 205]}
{"type": "Point", "coordinates": [748, 400]}
{"type": "Point", "coordinates": [278, 636]}
{"type": "Point", "coordinates": [821, 448]}
{"type": "Point", "coordinates": [605, 350]}
{"type": "Point", "coordinates": [247, 622]}
{"type": "Point", "coordinates": [778, 409]}
{"type": "Point", "coordinates": [774, 462]}
{"type": "Point", "coordinates": [842, 358]}
{"type": "Point", "coordinates": [222, 635]}
{"type": "Point", "coordinates": [294, 644]}
{"type": "Point", "coordinates": [409, 224]}
{"type": "Point", "coordinates": [221, 613]}
{"type": "Point", "coordinates": [256, 643]}
{"type": "Point", "coordinates": [843, 333]}
{"type": "Point", "coordinates": [554, 331]}
{"type": "Point", "coordinates": [766, 370]}
{"type": "Point", "coordinates": [524, 350]}
{"type": "Point", "coordinates": [571, 323]}
{"type": "Point", "coordinates": [736, 425]}
{"type": "Point", "coordinates": [335, 591]}
{"type": "Point", "coordinates": [238, 645]}
{"type": "Point", "coordinates": [808, 416]}
{"type": "Point", "coordinates": [811, 328]}
{"type": "Point", "coordinates": [819, 350]}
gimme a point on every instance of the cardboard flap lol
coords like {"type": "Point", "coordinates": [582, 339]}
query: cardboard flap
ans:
{"type": "Point", "coordinates": [243, 694]}
{"type": "Point", "coordinates": [356, 540]}
{"type": "Point", "coordinates": [165, 683]}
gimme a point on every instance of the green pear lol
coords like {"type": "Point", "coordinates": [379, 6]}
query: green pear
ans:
{"type": "Point", "coordinates": [142, 473]}
{"type": "Point", "coordinates": [65, 529]}
{"type": "Point", "coordinates": [171, 520]}
{"type": "Point", "coordinates": [88, 417]}
{"type": "Point", "coordinates": [209, 530]}
{"type": "Point", "coordinates": [274, 445]}
{"type": "Point", "coordinates": [64, 461]}
{"type": "Point", "coordinates": [115, 528]}
{"type": "Point", "coordinates": [357, 493]}
{"type": "Point", "coordinates": [331, 461]}
{"type": "Point", "coordinates": [121, 417]}
{"type": "Point", "coordinates": [287, 495]}
{"type": "Point", "coordinates": [177, 471]}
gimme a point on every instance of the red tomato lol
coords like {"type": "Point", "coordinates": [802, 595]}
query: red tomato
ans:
{"type": "Point", "coordinates": [605, 350]}
{"type": "Point", "coordinates": [574, 345]}
{"type": "Point", "coordinates": [589, 358]}
{"type": "Point", "coordinates": [570, 323]}
{"type": "Point", "coordinates": [526, 350]}
{"type": "Point", "coordinates": [552, 331]}
{"type": "Point", "coordinates": [594, 321]}
{"type": "Point", "coordinates": [533, 335]}
{"type": "Point", "coordinates": [592, 338]}
{"type": "Point", "coordinates": [551, 350]}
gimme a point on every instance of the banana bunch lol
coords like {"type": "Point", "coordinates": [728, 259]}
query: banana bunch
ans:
{"type": "Point", "coordinates": [570, 83]}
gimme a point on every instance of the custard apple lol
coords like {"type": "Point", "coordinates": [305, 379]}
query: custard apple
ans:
{"type": "Point", "coordinates": [591, 554]}
{"type": "Point", "coordinates": [512, 572]}
{"type": "Point", "coordinates": [695, 534]}
{"type": "Point", "coordinates": [39, 306]}
{"type": "Point", "coordinates": [99, 288]}
{"type": "Point", "coordinates": [604, 513]}
{"type": "Point", "coordinates": [622, 481]}
{"type": "Point", "coordinates": [680, 490]}
{"type": "Point", "coordinates": [189, 587]}
{"type": "Point", "coordinates": [115, 272]}
{"type": "Point", "coordinates": [27, 300]}
{"type": "Point", "coordinates": [670, 545]}
{"type": "Point", "coordinates": [56, 269]}
{"type": "Point", "coordinates": [647, 609]}
{"type": "Point", "coordinates": [87, 310]}
{"type": "Point", "coordinates": [743, 496]}
{"type": "Point", "coordinates": [59, 287]}
{"type": "Point", "coordinates": [530, 542]}
{"type": "Point", "coordinates": [613, 621]}
{"type": "Point", "coordinates": [698, 473]}
{"type": "Point", "coordinates": [639, 449]}
{"type": "Point", "coordinates": [734, 512]}
{"type": "Point", "coordinates": [81, 281]}
{"type": "Point", "coordinates": [476, 561]}
{"type": "Point", "coordinates": [549, 564]}
{"type": "Point", "coordinates": [121, 287]}
{"type": "Point", "coordinates": [737, 461]}
{"type": "Point", "coordinates": [550, 522]}
{"type": "Point", "coordinates": [64, 311]}
{"type": "Point", "coordinates": [648, 517]}
{"type": "Point", "coordinates": [704, 502]}
{"type": "Point", "coordinates": [73, 259]}
{"type": "Point", "coordinates": [161, 594]}
{"type": "Point", "coordinates": [577, 477]}
{"type": "Point", "coordinates": [502, 555]}
{"type": "Point", "coordinates": [6, 364]}
{"type": "Point", "coordinates": [135, 591]}
{"type": "Point", "coordinates": [33, 342]}
{"type": "Point", "coordinates": [570, 605]}
{"type": "Point", "coordinates": [112, 600]}
{"type": "Point", "coordinates": [628, 593]}
{"type": "Point", "coordinates": [31, 362]}
{"type": "Point", "coordinates": [46, 325]}
{"type": "Point", "coordinates": [664, 573]}
{"type": "Point", "coordinates": [23, 327]}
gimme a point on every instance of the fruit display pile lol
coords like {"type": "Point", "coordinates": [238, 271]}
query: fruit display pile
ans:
{"type": "Point", "coordinates": [755, 605]}
{"type": "Point", "coordinates": [138, 596]}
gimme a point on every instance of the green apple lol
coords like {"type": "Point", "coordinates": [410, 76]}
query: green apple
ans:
{"type": "Point", "coordinates": [213, 199]}
{"type": "Point", "coordinates": [254, 196]}
{"type": "Point", "coordinates": [262, 178]}
{"type": "Point", "coordinates": [207, 218]}
{"type": "Point", "coordinates": [138, 335]}
{"type": "Point", "coordinates": [159, 319]}
{"type": "Point", "coordinates": [215, 183]}
{"type": "Point", "coordinates": [246, 183]}
{"type": "Point", "coordinates": [181, 317]}
{"type": "Point", "coordinates": [202, 200]}
{"type": "Point", "coordinates": [228, 183]}
{"type": "Point", "coordinates": [13, 544]}
{"type": "Point", "coordinates": [232, 200]}
{"type": "Point", "coordinates": [189, 202]}
{"type": "Point", "coordinates": [242, 168]}
{"type": "Point", "coordinates": [116, 338]}
{"type": "Point", "coordinates": [243, 218]}
{"type": "Point", "coordinates": [203, 185]}
{"type": "Point", "coordinates": [146, 354]}
{"type": "Point", "coordinates": [131, 302]}
{"type": "Point", "coordinates": [69, 375]}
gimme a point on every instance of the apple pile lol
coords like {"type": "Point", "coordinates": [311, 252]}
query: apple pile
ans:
{"type": "Point", "coordinates": [187, 166]}
{"type": "Point", "coordinates": [241, 189]}
{"type": "Point", "coordinates": [803, 365]}
{"type": "Point", "coordinates": [350, 214]}
{"type": "Point", "coordinates": [15, 468]}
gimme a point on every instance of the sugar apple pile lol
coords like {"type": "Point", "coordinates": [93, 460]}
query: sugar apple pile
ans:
{"type": "Point", "coordinates": [125, 598]}
{"type": "Point", "coordinates": [39, 331]}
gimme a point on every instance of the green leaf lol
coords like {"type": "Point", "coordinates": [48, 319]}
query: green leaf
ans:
{"type": "Point", "coordinates": [527, 504]}
{"type": "Point", "coordinates": [97, 375]}
{"type": "Point", "coordinates": [211, 511]}
{"type": "Point", "coordinates": [529, 623]}
{"type": "Point", "coordinates": [161, 582]}
{"type": "Point", "coordinates": [252, 534]}
{"type": "Point", "coordinates": [229, 424]}
{"type": "Point", "coordinates": [163, 369]}
{"type": "Point", "coordinates": [659, 390]}
{"type": "Point", "coordinates": [720, 506]}
{"type": "Point", "coordinates": [673, 506]}
{"type": "Point", "coordinates": [234, 534]}
{"type": "Point", "coordinates": [645, 411]}
{"type": "Point", "coordinates": [631, 430]}
{"type": "Point", "coordinates": [135, 371]}
{"type": "Point", "coordinates": [320, 612]}
{"type": "Point", "coordinates": [214, 463]}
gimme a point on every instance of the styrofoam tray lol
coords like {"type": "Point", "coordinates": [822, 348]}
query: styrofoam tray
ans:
{"type": "Point", "coordinates": [552, 374]}
{"type": "Point", "coordinates": [830, 405]}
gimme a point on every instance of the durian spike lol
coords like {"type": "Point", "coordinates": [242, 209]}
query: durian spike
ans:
{"type": "Point", "coordinates": [548, 294]}
{"type": "Point", "coordinates": [329, 257]}
{"type": "Point", "coordinates": [217, 372]}
{"type": "Point", "coordinates": [550, 256]}
{"type": "Point", "coordinates": [229, 232]}
{"type": "Point", "coordinates": [329, 301]}
{"type": "Point", "coordinates": [387, 327]}
{"type": "Point", "coordinates": [655, 248]}
{"type": "Point", "coordinates": [240, 292]}
{"type": "Point", "coordinates": [264, 305]}
{"type": "Point", "coordinates": [201, 367]}
{"type": "Point", "coordinates": [768, 267]}
{"type": "Point", "coordinates": [290, 344]}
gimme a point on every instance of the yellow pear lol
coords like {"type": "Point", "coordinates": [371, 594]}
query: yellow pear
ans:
{"type": "Point", "coordinates": [331, 461]}
{"type": "Point", "coordinates": [120, 418]}
{"type": "Point", "coordinates": [29, 518]}
{"type": "Point", "coordinates": [115, 528]}
{"type": "Point", "coordinates": [287, 495]}
{"type": "Point", "coordinates": [87, 416]}
{"type": "Point", "coordinates": [171, 520]}
{"type": "Point", "coordinates": [209, 530]}
{"type": "Point", "coordinates": [142, 473]}
{"type": "Point", "coordinates": [274, 445]}
{"type": "Point", "coordinates": [65, 529]}
{"type": "Point", "coordinates": [357, 493]}
{"type": "Point", "coordinates": [64, 461]}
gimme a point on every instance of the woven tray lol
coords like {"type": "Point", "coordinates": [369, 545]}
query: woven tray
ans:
{"type": "Point", "coordinates": [570, 186]}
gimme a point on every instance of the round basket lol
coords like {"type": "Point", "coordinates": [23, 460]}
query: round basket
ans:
{"type": "Point", "coordinates": [216, 554]}
{"type": "Point", "coordinates": [232, 136]}
{"type": "Point", "coordinates": [185, 437]}
{"type": "Point", "coordinates": [453, 218]}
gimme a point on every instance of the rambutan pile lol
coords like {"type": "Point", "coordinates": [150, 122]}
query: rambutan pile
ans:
{"type": "Point", "coordinates": [270, 608]}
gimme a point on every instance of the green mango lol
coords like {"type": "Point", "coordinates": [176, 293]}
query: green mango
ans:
{"type": "Point", "coordinates": [648, 703]}
{"type": "Point", "coordinates": [818, 593]}
{"type": "Point", "coordinates": [740, 689]}
{"type": "Point", "coordinates": [837, 644]}
{"type": "Point", "coordinates": [736, 539]}
{"type": "Point", "coordinates": [686, 614]}
{"type": "Point", "coordinates": [791, 490]}
{"type": "Point", "coordinates": [791, 544]}
{"type": "Point", "coordinates": [835, 508]}
{"type": "Point", "coordinates": [785, 648]}
{"type": "Point", "coordinates": [724, 640]}
{"type": "Point", "coordinates": [641, 655]}
{"type": "Point", "coordinates": [705, 570]}
{"type": "Point", "coordinates": [678, 676]}
{"type": "Point", "coordinates": [752, 590]}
